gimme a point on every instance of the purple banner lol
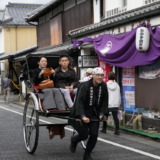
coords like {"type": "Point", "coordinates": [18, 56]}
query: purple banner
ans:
{"type": "Point", "coordinates": [120, 50]}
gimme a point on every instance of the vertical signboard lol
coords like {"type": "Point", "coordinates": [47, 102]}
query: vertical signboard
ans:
{"type": "Point", "coordinates": [106, 67]}
{"type": "Point", "coordinates": [128, 85]}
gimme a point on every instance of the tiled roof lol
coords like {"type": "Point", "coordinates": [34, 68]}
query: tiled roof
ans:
{"type": "Point", "coordinates": [141, 13]}
{"type": "Point", "coordinates": [32, 51]}
{"type": "Point", "coordinates": [19, 53]}
{"type": "Point", "coordinates": [15, 13]}
{"type": "Point", "coordinates": [36, 13]}
{"type": "Point", "coordinates": [54, 49]}
{"type": "Point", "coordinates": [51, 50]}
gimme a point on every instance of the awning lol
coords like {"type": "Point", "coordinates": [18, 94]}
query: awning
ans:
{"type": "Point", "coordinates": [59, 49]}
{"type": "Point", "coordinates": [120, 50]}
{"type": "Point", "coordinates": [32, 16]}
{"type": "Point", "coordinates": [33, 51]}
{"type": "Point", "coordinates": [19, 55]}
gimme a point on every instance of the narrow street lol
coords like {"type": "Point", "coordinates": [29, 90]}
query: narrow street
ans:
{"type": "Point", "coordinates": [109, 146]}
{"type": "Point", "coordinates": [48, 48]}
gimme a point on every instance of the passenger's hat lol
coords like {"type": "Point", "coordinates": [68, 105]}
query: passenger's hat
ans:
{"type": "Point", "coordinates": [98, 70]}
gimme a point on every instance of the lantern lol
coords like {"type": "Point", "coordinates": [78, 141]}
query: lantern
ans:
{"type": "Point", "coordinates": [142, 39]}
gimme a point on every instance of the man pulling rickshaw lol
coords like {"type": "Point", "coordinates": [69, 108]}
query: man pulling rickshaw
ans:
{"type": "Point", "coordinates": [90, 106]}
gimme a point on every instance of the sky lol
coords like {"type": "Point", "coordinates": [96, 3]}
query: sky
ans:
{"type": "Point", "coordinates": [3, 3]}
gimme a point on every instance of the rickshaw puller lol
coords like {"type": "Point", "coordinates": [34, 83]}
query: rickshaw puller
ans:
{"type": "Point", "coordinates": [91, 103]}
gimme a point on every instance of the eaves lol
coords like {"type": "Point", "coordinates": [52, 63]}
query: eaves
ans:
{"type": "Point", "coordinates": [54, 49]}
{"type": "Point", "coordinates": [6, 21]}
{"type": "Point", "coordinates": [34, 15]}
{"type": "Point", "coordinates": [15, 25]}
{"type": "Point", "coordinates": [138, 14]}
{"type": "Point", "coordinates": [18, 54]}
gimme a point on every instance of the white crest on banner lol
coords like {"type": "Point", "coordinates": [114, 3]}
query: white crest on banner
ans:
{"type": "Point", "coordinates": [106, 48]}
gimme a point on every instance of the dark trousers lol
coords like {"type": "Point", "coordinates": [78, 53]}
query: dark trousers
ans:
{"type": "Point", "coordinates": [87, 130]}
{"type": "Point", "coordinates": [115, 118]}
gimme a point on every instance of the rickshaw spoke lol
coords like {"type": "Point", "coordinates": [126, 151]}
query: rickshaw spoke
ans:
{"type": "Point", "coordinates": [30, 125]}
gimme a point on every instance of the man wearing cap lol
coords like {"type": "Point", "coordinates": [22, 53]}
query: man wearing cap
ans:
{"type": "Point", "coordinates": [90, 106]}
{"type": "Point", "coordinates": [88, 75]}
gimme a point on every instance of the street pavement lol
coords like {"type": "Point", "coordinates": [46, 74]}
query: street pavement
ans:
{"type": "Point", "coordinates": [109, 146]}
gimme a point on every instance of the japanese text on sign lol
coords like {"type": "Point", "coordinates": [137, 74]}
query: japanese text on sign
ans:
{"type": "Point", "coordinates": [90, 61]}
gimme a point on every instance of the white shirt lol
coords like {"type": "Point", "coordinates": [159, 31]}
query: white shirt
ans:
{"type": "Point", "coordinates": [114, 94]}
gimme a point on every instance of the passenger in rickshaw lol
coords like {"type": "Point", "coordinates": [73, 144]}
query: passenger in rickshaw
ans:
{"type": "Point", "coordinates": [52, 97]}
{"type": "Point", "coordinates": [38, 72]}
{"type": "Point", "coordinates": [66, 79]}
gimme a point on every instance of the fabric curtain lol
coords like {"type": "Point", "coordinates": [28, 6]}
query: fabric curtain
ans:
{"type": "Point", "coordinates": [120, 50]}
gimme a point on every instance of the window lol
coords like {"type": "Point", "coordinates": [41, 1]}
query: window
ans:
{"type": "Point", "coordinates": [56, 30]}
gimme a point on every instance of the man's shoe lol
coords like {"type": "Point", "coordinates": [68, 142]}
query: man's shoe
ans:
{"type": "Point", "coordinates": [87, 156]}
{"type": "Point", "coordinates": [103, 130]}
{"type": "Point", "coordinates": [73, 145]}
{"type": "Point", "coordinates": [117, 132]}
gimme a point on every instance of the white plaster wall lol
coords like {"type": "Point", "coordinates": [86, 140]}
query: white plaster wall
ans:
{"type": "Point", "coordinates": [111, 4]}
{"type": "Point", "coordinates": [96, 11]}
{"type": "Point", "coordinates": [132, 4]}
{"type": "Point", "coordinates": [1, 40]}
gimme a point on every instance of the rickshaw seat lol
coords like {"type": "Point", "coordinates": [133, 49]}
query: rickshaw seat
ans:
{"type": "Point", "coordinates": [36, 88]}
{"type": "Point", "coordinates": [72, 96]}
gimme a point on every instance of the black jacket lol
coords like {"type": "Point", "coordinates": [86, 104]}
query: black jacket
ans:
{"type": "Point", "coordinates": [67, 78]}
{"type": "Point", "coordinates": [91, 101]}
{"type": "Point", "coordinates": [36, 78]}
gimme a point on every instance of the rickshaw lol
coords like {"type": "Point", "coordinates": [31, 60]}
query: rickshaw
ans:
{"type": "Point", "coordinates": [33, 108]}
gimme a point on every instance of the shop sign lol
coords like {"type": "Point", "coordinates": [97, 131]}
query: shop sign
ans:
{"type": "Point", "coordinates": [128, 86]}
{"type": "Point", "coordinates": [89, 61]}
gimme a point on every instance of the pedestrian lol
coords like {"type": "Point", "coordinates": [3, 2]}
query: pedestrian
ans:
{"type": "Point", "coordinates": [90, 105]}
{"type": "Point", "coordinates": [66, 79]}
{"type": "Point", "coordinates": [88, 75]}
{"type": "Point", "coordinates": [6, 84]}
{"type": "Point", "coordinates": [114, 102]}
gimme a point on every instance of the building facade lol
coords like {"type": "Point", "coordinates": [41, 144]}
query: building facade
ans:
{"type": "Point", "coordinates": [117, 18]}
{"type": "Point", "coordinates": [15, 34]}
{"type": "Point", "coordinates": [61, 23]}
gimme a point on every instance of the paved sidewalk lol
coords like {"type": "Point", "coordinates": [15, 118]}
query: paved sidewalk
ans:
{"type": "Point", "coordinates": [14, 98]}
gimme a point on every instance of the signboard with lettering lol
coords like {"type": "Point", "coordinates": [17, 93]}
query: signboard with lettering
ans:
{"type": "Point", "coordinates": [128, 85]}
{"type": "Point", "coordinates": [106, 67]}
{"type": "Point", "coordinates": [89, 61]}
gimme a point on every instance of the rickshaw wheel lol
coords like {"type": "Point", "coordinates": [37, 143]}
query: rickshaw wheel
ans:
{"type": "Point", "coordinates": [30, 125]}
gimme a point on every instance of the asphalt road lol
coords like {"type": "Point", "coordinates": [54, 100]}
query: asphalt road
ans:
{"type": "Point", "coordinates": [109, 146]}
